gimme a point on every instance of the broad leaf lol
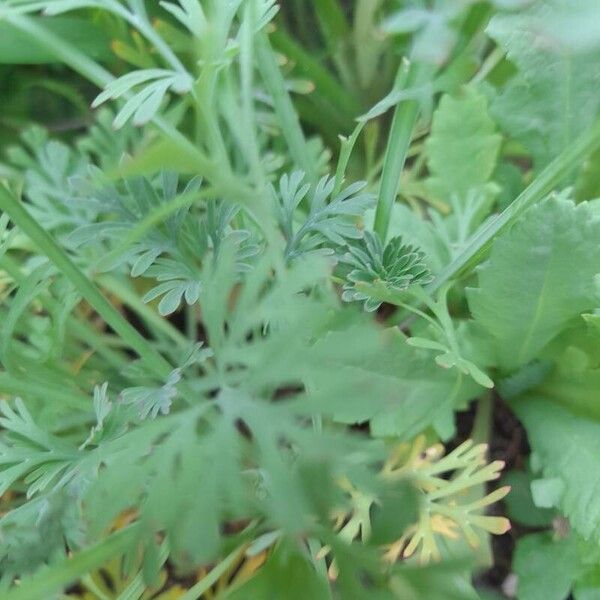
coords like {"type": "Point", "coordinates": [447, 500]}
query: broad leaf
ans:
{"type": "Point", "coordinates": [539, 276]}
{"type": "Point", "coordinates": [533, 556]}
{"type": "Point", "coordinates": [400, 389]}
{"type": "Point", "coordinates": [567, 448]}
{"type": "Point", "coordinates": [554, 97]}
{"type": "Point", "coordinates": [287, 574]}
{"type": "Point", "coordinates": [575, 380]}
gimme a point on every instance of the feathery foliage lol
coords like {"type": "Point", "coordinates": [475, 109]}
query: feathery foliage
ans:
{"type": "Point", "coordinates": [260, 338]}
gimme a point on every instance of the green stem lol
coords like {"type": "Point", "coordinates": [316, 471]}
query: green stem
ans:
{"type": "Point", "coordinates": [91, 586]}
{"type": "Point", "coordinates": [146, 29]}
{"type": "Point", "coordinates": [44, 241]}
{"type": "Point", "coordinates": [61, 49]}
{"type": "Point", "coordinates": [137, 586]}
{"type": "Point", "coordinates": [347, 145]}
{"type": "Point", "coordinates": [540, 187]}
{"type": "Point", "coordinates": [332, 20]}
{"type": "Point", "coordinates": [405, 118]}
{"type": "Point", "coordinates": [288, 118]}
{"type": "Point", "coordinates": [48, 581]}
{"type": "Point", "coordinates": [251, 143]}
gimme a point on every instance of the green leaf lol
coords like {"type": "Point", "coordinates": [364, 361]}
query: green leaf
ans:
{"type": "Point", "coordinates": [588, 586]}
{"type": "Point", "coordinates": [48, 581]}
{"type": "Point", "coordinates": [150, 87]}
{"type": "Point", "coordinates": [332, 218]}
{"type": "Point", "coordinates": [520, 504]}
{"type": "Point", "coordinates": [88, 290]}
{"type": "Point", "coordinates": [398, 388]}
{"type": "Point", "coordinates": [447, 580]}
{"type": "Point", "coordinates": [17, 47]}
{"type": "Point", "coordinates": [587, 186]}
{"type": "Point", "coordinates": [479, 244]}
{"type": "Point", "coordinates": [575, 380]}
{"type": "Point", "coordinates": [553, 98]}
{"type": "Point", "coordinates": [539, 276]}
{"type": "Point", "coordinates": [463, 146]}
{"type": "Point", "coordinates": [418, 232]}
{"type": "Point", "coordinates": [546, 567]}
{"type": "Point", "coordinates": [288, 574]}
{"type": "Point", "coordinates": [546, 493]}
{"type": "Point", "coordinates": [567, 448]}
{"type": "Point", "coordinates": [396, 509]}
{"type": "Point", "coordinates": [396, 267]}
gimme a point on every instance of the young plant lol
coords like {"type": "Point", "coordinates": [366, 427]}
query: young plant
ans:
{"type": "Point", "coordinates": [239, 358]}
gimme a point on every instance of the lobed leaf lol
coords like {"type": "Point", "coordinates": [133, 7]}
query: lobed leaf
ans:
{"type": "Point", "coordinates": [539, 276]}
{"type": "Point", "coordinates": [463, 146]}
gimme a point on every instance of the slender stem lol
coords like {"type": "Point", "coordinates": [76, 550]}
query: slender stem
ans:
{"type": "Point", "coordinates": [347, 145]}
{"type": "Point", "coordinates": [61, 49]}
{"type": "Point", "coordinates": [144, 27]}
{"type": "Point", "coordinates": [89, 583]}
{"type": "Point", "coordinates": [137, 586]}
{"type": "Point", "coordinates": [247, 92]}
{"type": "Point", "coordinates": [489, 64]}
{"type": "Point", "coordinates": [45, 583]}
{"type": "Point", "coordinates": [480, 434]}
{"type": "Point", "coordinates": [405, 118]}
{"type": "Point", "coordinates": [213, 576]}
{"type": "Point", "coordinates": [44, 241]}
{"type": "Point", "coordinates": [290, 124]}
{"type": "Point", "coordinates": [332, 19]}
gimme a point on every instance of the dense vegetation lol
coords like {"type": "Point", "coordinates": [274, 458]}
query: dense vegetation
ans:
{"type": "Point", "coordinates": [300, 301]}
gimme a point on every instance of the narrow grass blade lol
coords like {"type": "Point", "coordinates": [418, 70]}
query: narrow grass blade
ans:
{"type": "Point", "coordinates": [542, 185]}
{"type": "Point", "coordinates": [45, 583]}
{"type": "Point", "coordinates": [88, 290]}
{"type": "Point", "coordinates": [405, 118]}
{"type": "Point", "coordinates": [288, 118]}
{"type": "Point", "coordinates": [196, 591]}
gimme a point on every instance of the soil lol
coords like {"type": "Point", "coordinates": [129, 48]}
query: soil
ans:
{"type": "Point", "coordinates": [508, 442]}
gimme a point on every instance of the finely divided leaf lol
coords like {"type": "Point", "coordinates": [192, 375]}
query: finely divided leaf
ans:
{"type": "Point", "coordinates": [539, 276]}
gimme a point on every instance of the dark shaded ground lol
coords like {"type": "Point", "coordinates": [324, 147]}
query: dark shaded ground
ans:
{"type": "Point", "coordinates": [508, 442]}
